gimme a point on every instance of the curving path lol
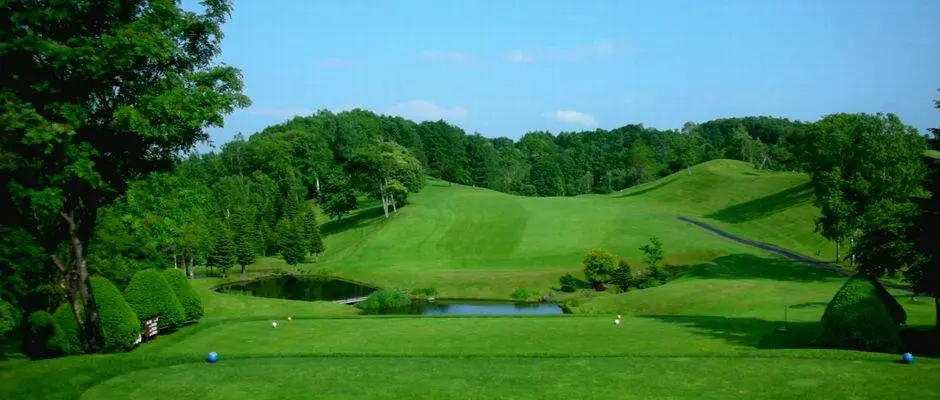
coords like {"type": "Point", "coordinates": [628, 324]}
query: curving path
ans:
{"type": "Point", "coordinates": [783, 252]}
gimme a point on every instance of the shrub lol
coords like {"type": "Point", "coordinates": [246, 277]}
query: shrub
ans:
{"type": "Point", "coordinates": [568, 283]}
{"type": "Point", "coordinates": [8, 318]}
{"type": "Point", "coordinates": [183, 289]}
{"type": "Point", "coordinates": [858, 318]}
{"type": "Point", "coordinates": [598, 265]}
{"type": "Point", "coordinates": [897, 312]}
{"type": "Point", "coordinates": [149, 295]}
{"type": "Point", "coordinates": [44, 336]}
{"type": "Point", "coordinates": [622, 276]}
{"type": "Point", "coordinates": [70, 339]}
{"type": "Point", "coordinates": [426, 292]}
{"type": "Point", "coordinates": [522, 294]}
{"type": "Point", "coordinates": [383, 300]}
{"type": "Point", "coordinates": [657, 275]}
{"type": "Point", "coordinates": [119, 325]}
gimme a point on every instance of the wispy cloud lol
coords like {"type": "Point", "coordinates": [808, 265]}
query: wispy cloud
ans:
{"type": "Point", "coordinates": [423, 110]}
{"type": "Point", "coordinates": [572, 117]}
{"type": "Point", "coordinates": [598, 49]}
{"type": "Point", "coordinates": [336, 62]}
{"type": "Point", "coordinates": [453, 57]}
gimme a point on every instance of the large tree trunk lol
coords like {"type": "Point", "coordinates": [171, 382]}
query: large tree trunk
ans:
{"type": "Point", "coordinates": [77, 236]}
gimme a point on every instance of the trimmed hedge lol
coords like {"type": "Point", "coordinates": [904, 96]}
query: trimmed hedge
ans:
{"type": "Point", "coordinates": [897, 312]}
{"type": "Point", "coordinates": [44, 337]}
{"type": "Point", "coordinates": [191, 302]}
{"type": "Point", "coordinates": [857, 318]}
{"type": "Point", "coordinates": [71, 341]}
{"type": "Point", "coordinates": [119, 325]}
{"type": "Point", "coordinates": [149, 295]}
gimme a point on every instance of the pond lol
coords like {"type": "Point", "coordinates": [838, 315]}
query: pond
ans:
{"type": "Point", "coordinates": [476, 307]}
{"type": "Point", "coordinates": [316, 288]}
{"type": "Point", "coordinates": [309, 288]}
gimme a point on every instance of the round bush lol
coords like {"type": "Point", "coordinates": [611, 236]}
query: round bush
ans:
{"type": "Point", "coordinates": [598, 265]}
{"type": "Point", "coordinates": [44, 336]}
{"type": "Point", "coordinates": [858, 318]}
{"type": "Point", "coordinates": [149, 295]}
{"type": "Point", "coordinates": [119, 325]}
{"type": "Point", "coordinates": [383, 300]}
{"type": "Point", "coordinates": [191, 302]}
{"type": "Point", "coordinates": [70, 339]}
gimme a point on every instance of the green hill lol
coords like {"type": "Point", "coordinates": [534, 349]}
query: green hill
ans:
{"type": "Point", "coordinates": [467, 241]}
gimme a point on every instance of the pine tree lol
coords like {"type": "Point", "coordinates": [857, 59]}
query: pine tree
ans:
{"type": "Point", "coordinates": [291, 242]}
{"type": "Point", "coordinates": [223, 252]}
{"type": "Point", "coordinates": [291, 207]}
{"type": "Point", "coordinates": [313, 241]}
{"type": "Point", "coordinates": [244, 239]}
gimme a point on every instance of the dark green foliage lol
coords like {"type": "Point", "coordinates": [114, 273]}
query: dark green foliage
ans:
{"type": "Point", "coordinates": [44, 336]}
{"type": "Point", "coordinates": [424, 292]}
{"type": "Point", "coordinates": [337, 197]}
{"type": "Point", "coordinates": [291, 242]}
{"type": "Point", "coordinates": [244, 239]}
{"type": "Point", "coordinates": [598, 265]}
{"type": "Point", "coordinates": [623, 275]}
{"type": "Point", "coordinates": [223, 252]}
{"type": "Point", "coordinates": [313, 240]}
{"type": "Point", "coordinates": [653, 253]}
{"type": "Point", "coordinates": [9, 318]}
{"type": "Point", "coordinates": [70, 340]}
{"type": "Point", "coordinates": [120, 327]}
{"type": "Point", "coordinates": [568, 283]}
{"type": "Point", "coordinates": [858, 318]}
{"type": "Point", "coordinates": [184, 292]}
{"type": "Point", "coordinates": [523, 294]}
{"type": "Point", "coordinates": [384, 300]}
{"type": "Point", "coordinates": [150, 296]}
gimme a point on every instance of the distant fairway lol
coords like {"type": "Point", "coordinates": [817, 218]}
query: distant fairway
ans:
{"type": "Point", "coordinates": [479, 243]}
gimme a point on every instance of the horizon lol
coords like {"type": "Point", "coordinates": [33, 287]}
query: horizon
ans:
{"type": "Point", "coordinates": [505, 69]}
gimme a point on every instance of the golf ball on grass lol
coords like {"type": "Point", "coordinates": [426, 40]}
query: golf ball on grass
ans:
{"type": "Point", "coordinates": [907, 358]}
{"type": "Point", "coordinates": [274, 324]}
{"type": "Point", "coordinates": [616, 322]}
{"type": "Point", "coordinates": [212, 357]}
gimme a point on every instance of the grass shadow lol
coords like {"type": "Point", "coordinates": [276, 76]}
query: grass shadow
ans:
{"type": "Point", "coordinates": [765, 206]}
{"type": "Point", "coordinates": [749, 332]}
{"type": "Point", "coordinates": [749, 266]}
{"type": "Point", "coordinates": [360, 219]}
{"type": "Point", "coordinates": [657, 186]}
{"type": "Point", "coordinates": [812, 304]}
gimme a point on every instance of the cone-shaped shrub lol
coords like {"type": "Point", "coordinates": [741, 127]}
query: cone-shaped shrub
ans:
{"type": "Point", "coordinates": [191, 302]}
{"type": "Point", "coordinates": [119, 325]}
{"type": "Point", "coordinates": [149, 295]}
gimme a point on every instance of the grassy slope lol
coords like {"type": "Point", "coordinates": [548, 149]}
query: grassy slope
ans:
{"type": "Point", "coordinates": [474, 242]}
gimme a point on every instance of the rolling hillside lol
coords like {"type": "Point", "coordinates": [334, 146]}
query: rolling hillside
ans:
{"type": "Point", "coordinates": [474, 242]}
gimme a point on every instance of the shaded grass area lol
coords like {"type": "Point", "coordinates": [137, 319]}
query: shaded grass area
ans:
{"type": "Point", "coordinates": [765, 206]}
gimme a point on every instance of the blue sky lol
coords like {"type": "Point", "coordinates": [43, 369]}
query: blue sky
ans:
{"type": "Point", "coordinates": [503, 68]}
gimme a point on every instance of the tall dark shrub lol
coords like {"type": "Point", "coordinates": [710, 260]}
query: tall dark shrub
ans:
{"type": "Point", "coordinates": [149, 295]}
{"type": "Point", "coordinates": [858, 318]}
{"type": "Point", "coordinates": [119, 325]}
{"type": "Point", "coordinates": [70, 339]}
{"type": "Point", "coordinates": [191, 302]}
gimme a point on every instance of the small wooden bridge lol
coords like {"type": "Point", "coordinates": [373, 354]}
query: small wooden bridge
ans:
{"type": "Point", "coordinates": [351, 300]}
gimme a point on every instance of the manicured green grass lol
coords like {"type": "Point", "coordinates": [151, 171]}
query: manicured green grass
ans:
{"type": "Point", "coordinates": [513, 378]}
{"type": "Point", "coordinates": [498, 357]}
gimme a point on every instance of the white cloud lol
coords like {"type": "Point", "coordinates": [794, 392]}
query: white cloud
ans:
{"type": "Point", "coordinates": [336, 62]}
{"type": "Point", "coordinates": [598, 49]}
{"type": "Point", "coordinates": [572, 117]}
{"type": "Point", "coordinates": [423, 110]}
{"type": "Point", "coordinates": [447, 56]}
{"type": "Point", "coordinates": [285, 112]}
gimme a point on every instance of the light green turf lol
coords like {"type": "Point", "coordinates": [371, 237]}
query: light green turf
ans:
{"type": "Point", "coordinates": [471, 242]}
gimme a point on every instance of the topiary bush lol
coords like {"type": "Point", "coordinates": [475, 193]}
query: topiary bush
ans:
{"type": "Point", "coordinates": [120, 327]}
{"type": "Point", "coordinates": [149, 295]}
{"type": "Point", "coordinates": [858, 318]}
{"type": "Point", "coordinates": [44, 336]}
{"type": "Point", "coordinates": [191, 302]}
{"type": "Point", "coordinates": [70, 339]}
